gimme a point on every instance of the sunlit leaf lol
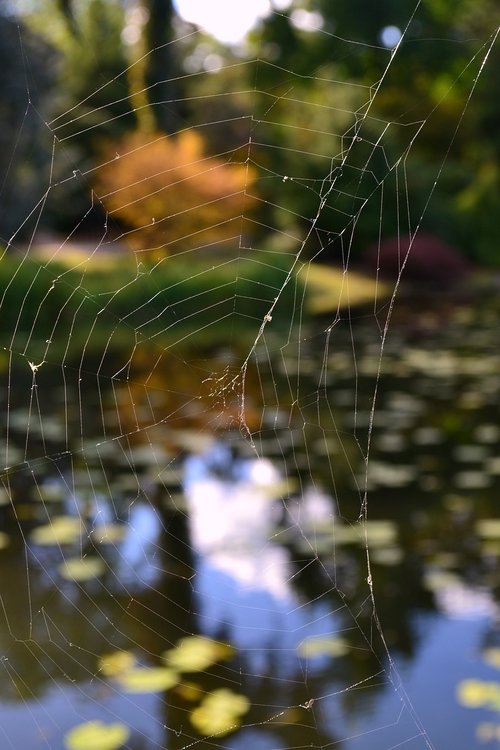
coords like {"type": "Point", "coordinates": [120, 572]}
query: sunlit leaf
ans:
{"type": "Point", "coordinates": [116, 663]}
{"type": "Point", "coordinates": [94, 735]}
{"type": "Point", "coordinates": [323, 646]}
{"type": "Point", "coordinates": [488, 528]}
{"type": "Point", "coordinates": [195, 653]}
{"type": "Point", "coordinates": [220, 713]}
{"type": "Point", "coordinates": [82, 568]}
{"type": "Point", "coordinates": [109, 533]}
{"type": "Point", "coordinates": [61, 530]}
{"type": "Point", "coordinates": [479, 694]}
{"type": "Point", "coordinates": [148, 680]}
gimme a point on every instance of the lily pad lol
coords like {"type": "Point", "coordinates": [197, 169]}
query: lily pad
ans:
{"type": "Point", "coordinates": [109, 533]}
{"type": "Point", "coordinates": [94, 735]}
{"type": "Point", "coordinates": [488, 528]}
{"type": "Point", "coordinates": [116, 663]}
{"type": "Point", "coordinates": [61, 530]}
{"type": "Point", "coordinates": [323, 646]}
{"type": "Point", "coordinates": [195, 653]}
{"type": "Point", "coordinates": [148, 680]}
{"type": "Point", "coordinates": [82, 568]}
{"type": "Point", "coordinates": [219, 713]}
{"type": "Point", "coordinates": [479, 694]}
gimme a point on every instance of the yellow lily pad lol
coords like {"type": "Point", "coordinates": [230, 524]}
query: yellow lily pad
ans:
{"type": "Point", "coordinates": [194, 653]}
{"type": "Point", "coordinates": [82, 568]}
{"type": "Point", "coordinates": [109, 533]}
{"type": "Point", "coordinates": [488, 528]}
{"type": "Point", "coordinates": [323, 646]}
{"type": "Point", "coordinates": [148, 680]}
{"type": "Point", "coordinates": [94, 735]}
{"type": "Point", "coordinates": [479, 694]}
{"type": "Point", "coordinates": [219, 713]}
{"type": "Point", "coordinates": [116, 663]}
{"type": "Point", "coordinates": [61, 530]}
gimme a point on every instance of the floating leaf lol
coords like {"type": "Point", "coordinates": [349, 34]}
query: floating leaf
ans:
{"type": "Point", "coordinates": [148, 680]}
{"type": "Point", "coordinates": [479, 694]}
{"type": "Point", "coordinates": [488, 528]}
{"type": "Point", "coordinates": [322, 646]}
{"type": "Point", "coordinates": [116, 663]}
{"type": "Point", "coordinates": [220, 712]}
{"type": "Point", "coordinates": [82, 568]}
{"type": "Point", "coordinates": [108, 533]}
{"type": "Point", "coordinates": [492, 657]}
{"type": "Point", "coordinates": [94, 735]}
{"type": "Point", "coordinates": [195, 653]}
{"type": "Point", "coordinates": [61, 530]}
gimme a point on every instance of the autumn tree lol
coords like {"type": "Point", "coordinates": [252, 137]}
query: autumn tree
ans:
{"type": "Point", "coordinates": [171, 196]}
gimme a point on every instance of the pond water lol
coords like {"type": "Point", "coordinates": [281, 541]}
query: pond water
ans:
{"type": "Point", "coordinates": [340, 564]}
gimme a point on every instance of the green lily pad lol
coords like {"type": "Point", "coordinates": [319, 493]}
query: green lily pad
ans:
{"type": "Point", "coordinates": [479, 694]}
{"type": "Point", "coordinates": [116, 663]}
{"type": "Point", "coordinates": [323, 646]}
{"type": "Point", "coordinates": [219, 713]}
{"type": "Point", "coordinates": [82, 568]}
{"type": "Point", "coordinates": [195, 653]}
{"type": "Point", "coordinates": [109, 533]}
{"type": "Point", "coordinates": [61, 530]}
{"type": "Point", "coordinates": [148, 680]}
{"type": "Point", "coordinates": [488, 528]}
{"type": "Point", "coordinates": [94, 735]}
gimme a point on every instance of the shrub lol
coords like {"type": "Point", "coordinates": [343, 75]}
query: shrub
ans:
{"type": "Point", "coordinates": [169, 196]}
{"type": "Point", "coordinates": [430, 261]}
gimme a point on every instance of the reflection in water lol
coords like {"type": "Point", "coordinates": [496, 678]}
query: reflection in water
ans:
{"type": "Point", "coordinates": [244, 580]}
{"type": "Point", "coordinates": [138, 552]}
{"type": "Point", "coordinates": [281, 578]}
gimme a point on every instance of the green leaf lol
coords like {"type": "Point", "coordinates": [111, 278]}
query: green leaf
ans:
{"type": "Point", "coordinates": [61, 530]}
{"type": "Point", "coordinates": [94, 735]}
{"type": "Point", "coordinates": [82, 568]}
{"type": "Point", "coordinates": [195, 653]}
{"type": "Point", "coordinates": [148, 680]}
{"type": "Point", "coordinates": [219, 713]}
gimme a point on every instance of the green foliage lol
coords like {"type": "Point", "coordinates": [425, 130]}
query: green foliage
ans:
{"type": "Point", "coordinates": [134, 304]}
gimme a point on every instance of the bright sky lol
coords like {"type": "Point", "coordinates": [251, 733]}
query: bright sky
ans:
{"type": "Point", "coordinates": [228, 20]}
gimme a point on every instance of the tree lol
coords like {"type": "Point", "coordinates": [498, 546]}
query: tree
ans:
{"type": "Point", "coordinates": [26, 75]}
{"type": "Point", "coordinates": [171, 195]}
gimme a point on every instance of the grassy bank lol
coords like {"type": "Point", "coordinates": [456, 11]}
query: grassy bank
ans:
{"type": "Point", "coordinates": [89, 303]}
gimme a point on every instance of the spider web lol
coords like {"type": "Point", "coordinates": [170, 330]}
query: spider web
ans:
{"type": "Point", "coordinates": [188, 426]}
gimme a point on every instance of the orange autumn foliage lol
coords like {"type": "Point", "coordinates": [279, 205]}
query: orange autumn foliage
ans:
{"type": "Point", "coordinates": [169, 196]}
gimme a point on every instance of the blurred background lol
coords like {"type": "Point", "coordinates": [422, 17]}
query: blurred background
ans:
{"type": "Point", "coordinates": [250, 370]}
